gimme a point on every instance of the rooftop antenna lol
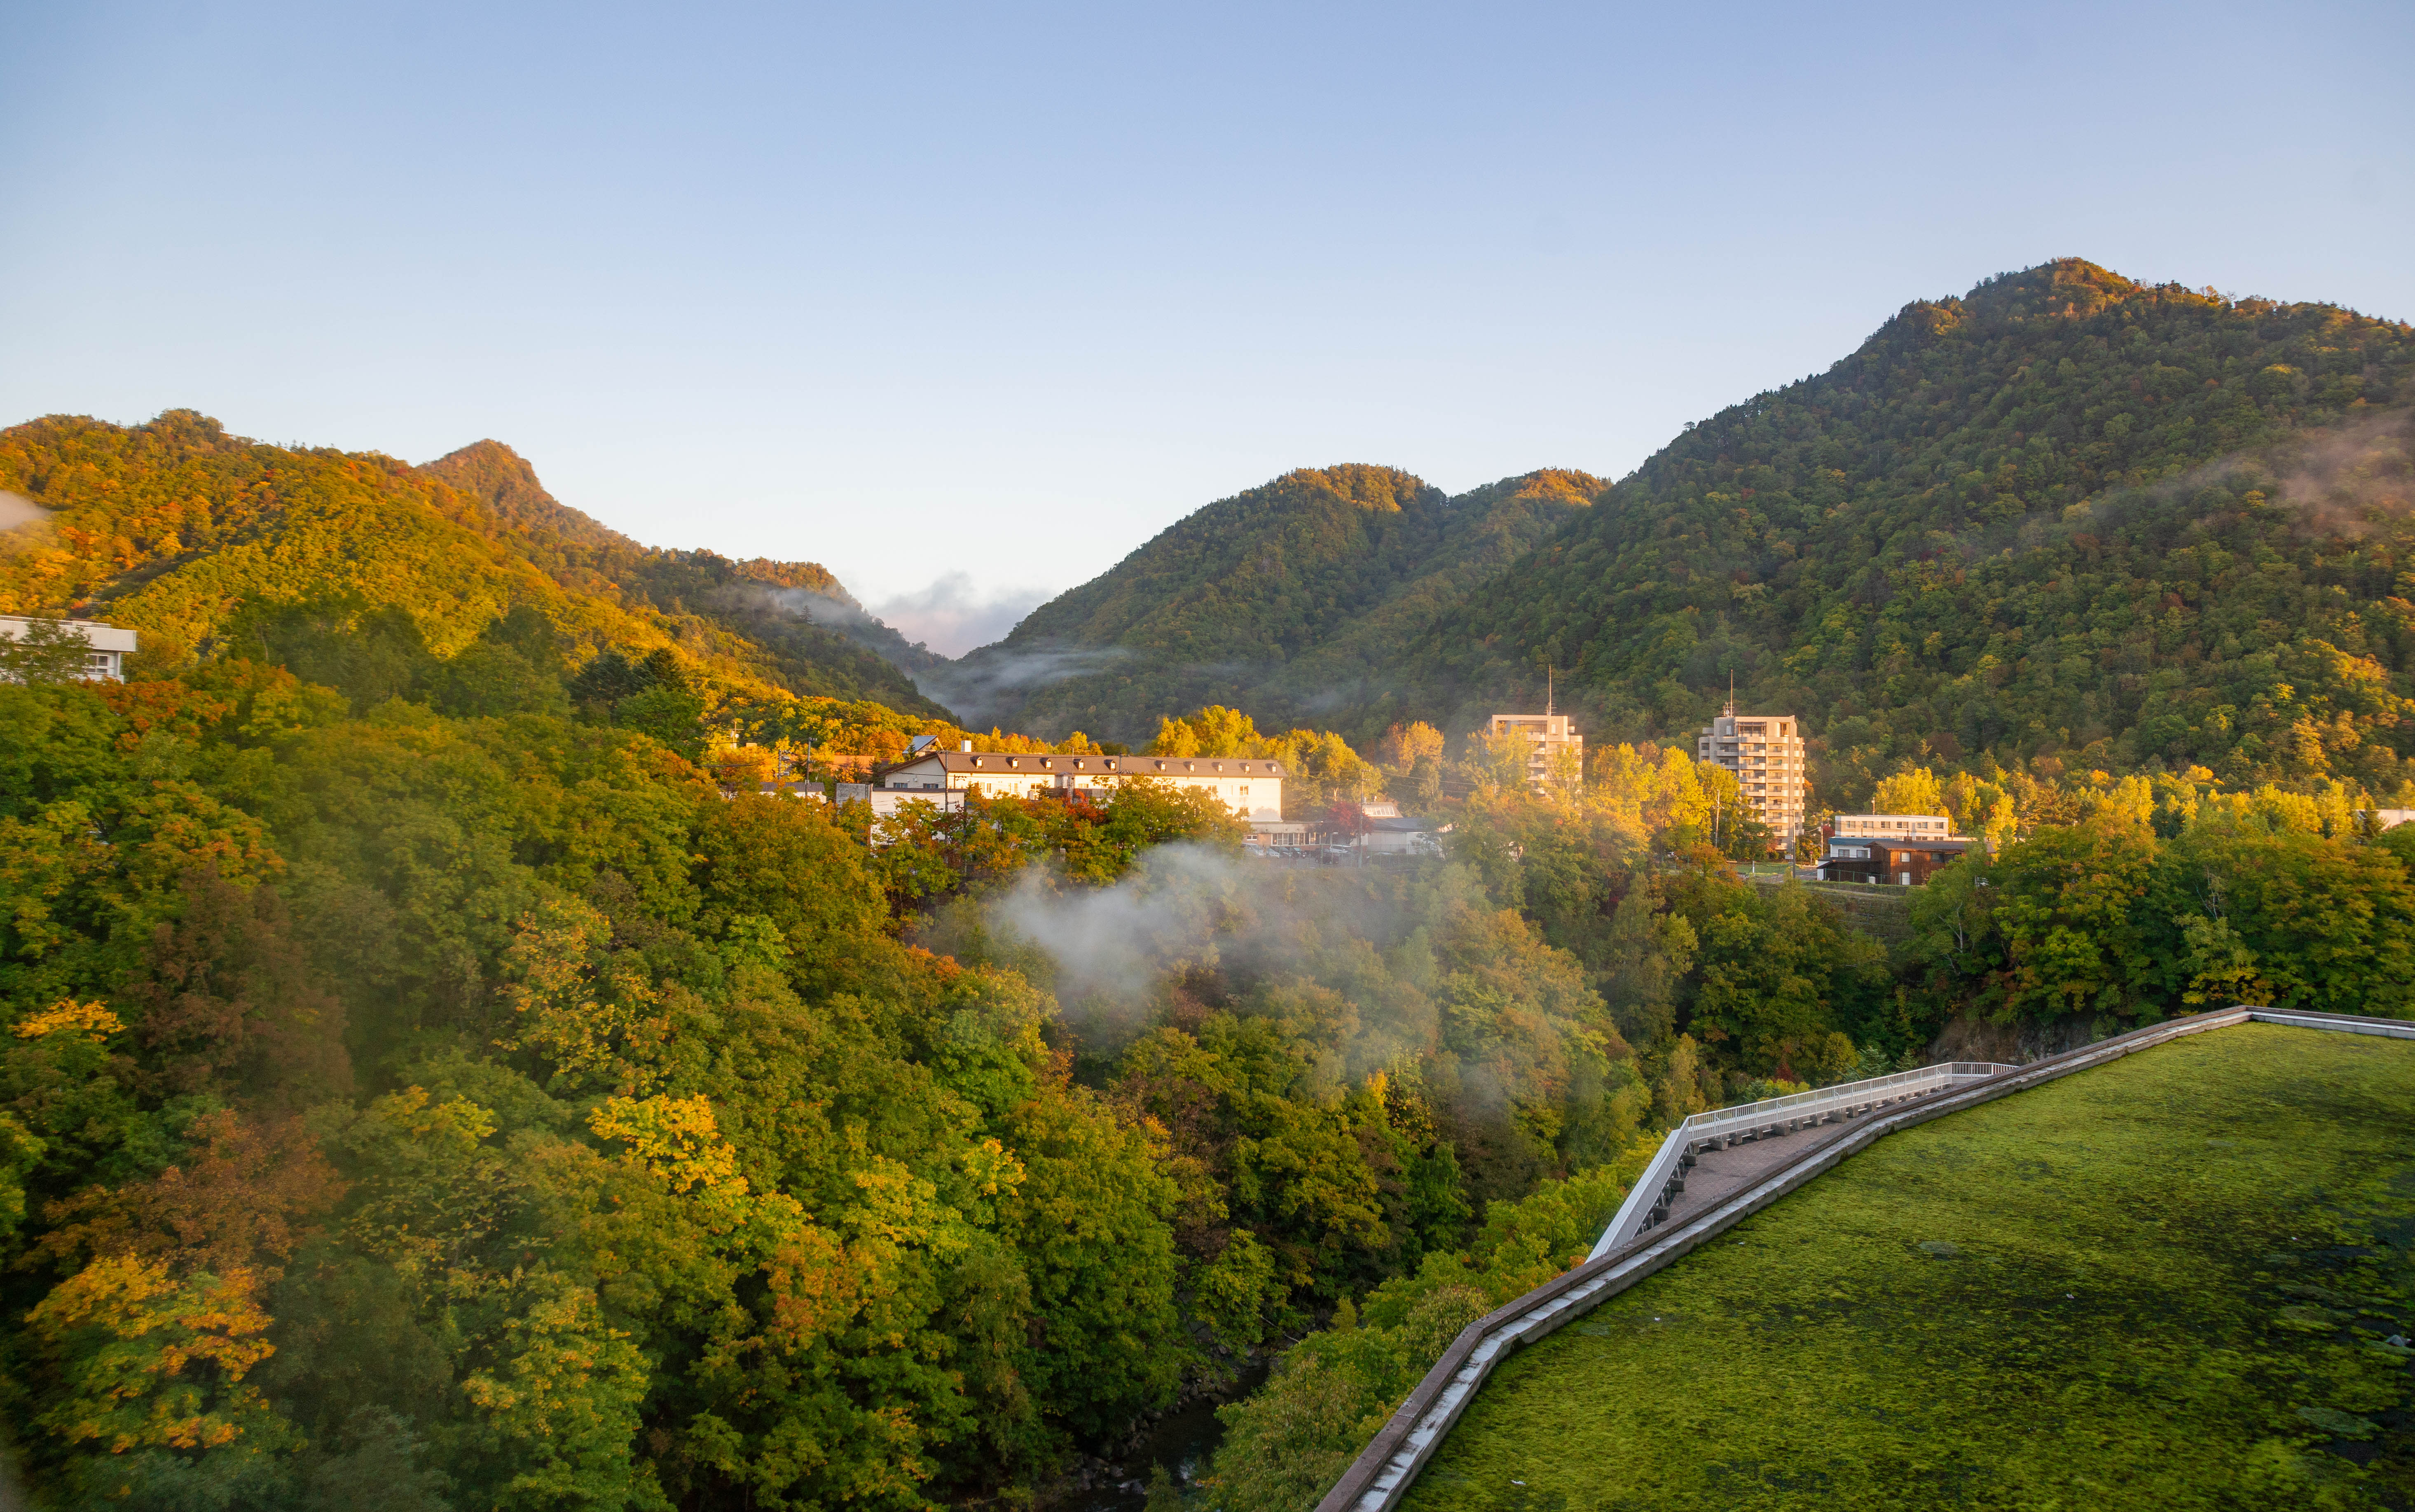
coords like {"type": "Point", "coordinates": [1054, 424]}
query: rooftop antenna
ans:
{"type": "Point", "coordinates": [1546, 691]}
{"type": "Point", "coordinates": [1732, 693]}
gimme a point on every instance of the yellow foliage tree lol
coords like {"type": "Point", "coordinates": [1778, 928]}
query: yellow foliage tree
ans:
{"type": "Point", "coordinates": [152, 1362]}
{"type": "Point", "coordinates": [92, 1021]}
{"type": "Point", "coordinates": [590, 1012]}
{"type": "Point", "coordinates": [1404, 746]}
{"type": "Point", "coordinates": [1912, 790]}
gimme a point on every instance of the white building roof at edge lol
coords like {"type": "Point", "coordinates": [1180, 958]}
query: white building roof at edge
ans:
{"type": "Point", "coordinates": [107, 646]}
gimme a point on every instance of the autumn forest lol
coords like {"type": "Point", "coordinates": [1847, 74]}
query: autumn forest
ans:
{"type": "Point", "coordinates": [458, 1052]}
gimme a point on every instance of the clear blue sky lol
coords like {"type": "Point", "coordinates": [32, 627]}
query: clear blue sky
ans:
{"type": "Point", "coordinates": [1000, 291]}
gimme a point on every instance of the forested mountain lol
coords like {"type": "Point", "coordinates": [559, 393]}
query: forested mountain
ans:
{"type": "Point", "coordinates": [2068, 516]}
{"type": "Point", "coordinates": [504, 480]}
{"type": "Point", "coordinates": [184, 531]}
{"type": "Point", "coordinates": [435, 1075]}
{"type": "Point", "coordinates": [1291, 599]}
{"type": "Point", "coordinates": [797, 611]}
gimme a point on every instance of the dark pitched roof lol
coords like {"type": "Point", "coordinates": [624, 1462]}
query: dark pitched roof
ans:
{"type": "Point", "coordinates": [1088, 763]}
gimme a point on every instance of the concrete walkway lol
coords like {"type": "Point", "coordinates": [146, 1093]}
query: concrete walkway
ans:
{"type": "Point", "coordinates": [1719, 1174]}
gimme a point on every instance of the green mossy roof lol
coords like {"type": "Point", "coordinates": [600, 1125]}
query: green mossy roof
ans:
{"type": "Point", "coordinates": [2165, 1283]}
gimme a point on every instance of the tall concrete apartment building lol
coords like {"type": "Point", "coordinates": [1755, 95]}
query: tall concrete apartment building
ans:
{"type": "Point", "coordinates": [1547, 734]}
{"type": "Point", "coordinates": [1765, 752]}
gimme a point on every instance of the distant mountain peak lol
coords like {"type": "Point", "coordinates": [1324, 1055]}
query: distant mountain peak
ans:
{"type": "Point", "coordinates": [504, 480]}
{"type": "Point", "coordinates": [1368, 485]}
{"type": "Point", "coordinates": [1283, 595]}
{"type": "Point", "coordinates": [796, 605]}
{"type": "Point", "coordinates": [2068, 287]}
{"type": "Point", "coordinates": [1559, 484]}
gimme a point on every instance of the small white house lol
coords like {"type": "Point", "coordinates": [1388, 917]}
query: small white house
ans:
{"type": "Point", "coordinates": [1399, 835]}
{"type": "Point", "coordinates": [887, 802]}
{"type": "Point", "coordinates": [107, 646]}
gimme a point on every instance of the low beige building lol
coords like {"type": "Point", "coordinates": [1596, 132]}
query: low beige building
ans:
{"type": "Point", "coordinates": [888, 802]}
{"type": "Point", "coordinates": [1894, 827]}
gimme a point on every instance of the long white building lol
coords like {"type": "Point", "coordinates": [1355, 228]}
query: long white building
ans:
{"type": "Point", "coordinates": [1894, 827]}
{"type": "Point", "coordinates": [1250, 786]}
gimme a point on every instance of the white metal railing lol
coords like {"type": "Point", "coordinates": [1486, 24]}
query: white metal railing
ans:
{"type": "Point", "coordinates": [1647, 1201]}
{"type": "Point", "coordinates": [2349, 1023]}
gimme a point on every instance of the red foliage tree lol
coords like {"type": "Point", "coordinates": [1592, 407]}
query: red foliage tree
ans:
{"type": "Point", "coordinates": [227, 1002]}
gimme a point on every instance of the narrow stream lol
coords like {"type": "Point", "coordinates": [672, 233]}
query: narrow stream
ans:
{"type": "Point", "coordinates": [1182, 1441]}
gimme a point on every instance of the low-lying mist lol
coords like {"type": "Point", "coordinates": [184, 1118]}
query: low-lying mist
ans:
{"type": "Point", "coordinates": [981, 686]}
{"type": "Point", "coordinates": [1191, 930]}
{"type": "Point", "coordinates": [1383, 969]}
{"type": "Point", "coordinates": [17, 510]}
{"type": "Point", "coordinates": [953, 616]}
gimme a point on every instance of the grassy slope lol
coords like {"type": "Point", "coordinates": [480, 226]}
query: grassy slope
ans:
{"type": "Point", "coordinates": [2116, 1291]}
{"type": "Point", "coordinates": [1287, 600]}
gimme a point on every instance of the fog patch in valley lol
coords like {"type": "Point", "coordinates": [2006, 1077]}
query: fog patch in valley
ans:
{"type": "Point", "coordinates": [951, 617]}
{"type": "Point", "coordinates": [1271, 935]}
{"type": "Point", "coordinates": [979, 687]}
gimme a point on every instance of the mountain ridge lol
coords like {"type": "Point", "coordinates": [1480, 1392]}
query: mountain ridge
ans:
{"type": "Point", "coordinates": [2065, 517]}
{"type": "Point", "coordinates": [180, 529]}
{"type": "Point", "coordinates": [2008, 527]}
{"type": "Point", "coordinates": [1890, 546]}
{"type": "Point", "coordinates": [1280, 595]}
{"type": "Point", "coordinates": [814, 629]}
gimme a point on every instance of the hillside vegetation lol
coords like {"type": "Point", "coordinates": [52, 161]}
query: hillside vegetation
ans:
{"type": "Point", "coordinates": [426, 1100]}
{"type": "Point", "coordinates": [1289, 599]}
{"type": "Point", "coordinates": [2068, 516]}
{"type": "Point", "coordinates": [188, 533]}
{"type": "Point", "coordinates": [814, 638]}
{"type": "Point", "coordinates": [434, 1075]}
